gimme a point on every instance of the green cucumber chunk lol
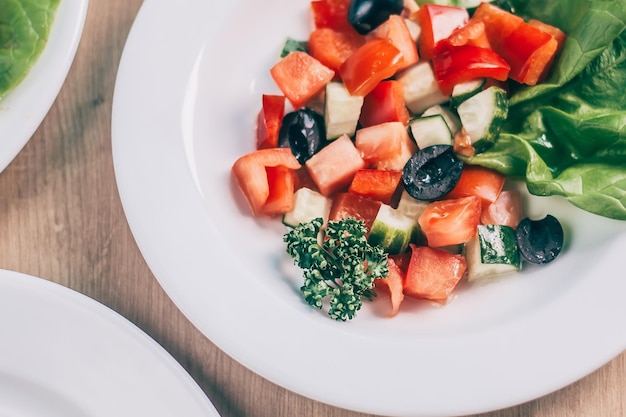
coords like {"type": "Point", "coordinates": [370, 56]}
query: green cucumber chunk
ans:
{"type": "Point", "coordinates": [392, 230]}
{"type": "Point", "coordinates": [483, 115]}
{"type": "Point", "coordinates": [492, 252]}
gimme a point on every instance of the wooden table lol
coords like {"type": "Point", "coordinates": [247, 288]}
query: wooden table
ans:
{"type": "Point", "coordinates": [61, 219]}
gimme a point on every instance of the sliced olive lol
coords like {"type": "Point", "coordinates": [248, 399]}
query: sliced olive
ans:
{"type": "Point", "coordinates": [304, 132]}
{"type": "Point", "coordinates": [540, 241]}
{"type": "Point", "coordinates": [431, 172]}
{"type": "Point", "coordinates": [367, 15]}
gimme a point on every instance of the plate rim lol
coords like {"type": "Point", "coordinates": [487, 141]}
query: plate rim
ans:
{"type": "Point", "coordinates": [45, 300]}
{"type": "Point", "coordinates": [23, 108]}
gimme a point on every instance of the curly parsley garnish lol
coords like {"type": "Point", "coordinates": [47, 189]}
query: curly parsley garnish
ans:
{"type": "Point", "coordinates": [339, 264]}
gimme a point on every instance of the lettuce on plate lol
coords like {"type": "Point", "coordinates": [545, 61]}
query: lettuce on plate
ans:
{"type": "Point", "coordinates": [24, 30]}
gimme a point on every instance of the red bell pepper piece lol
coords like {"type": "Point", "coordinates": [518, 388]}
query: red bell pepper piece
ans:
{"type": "Point", "coordinates": [385, 103]}
{"type": "Point", "coordinates": [376, 60]}
{"type": "Point", "coordinates": [261, 185]}
{"type": "Point", "coordinates": [377, 184]}
{"type": "Point", "coordinates": [269, 120]}
{"type": "Point", "coordinates": [455, 64]}
{"type": "Point", "coordinates": [437, 23]}
{"type": "Point", "coordinates": [479, 181]}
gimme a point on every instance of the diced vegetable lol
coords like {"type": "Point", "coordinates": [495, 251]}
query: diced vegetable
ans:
{"type": "Point", "coordinates": [506, 210]}
{"type": "Point", "coordinates": [300, 77]}
{"type": "Point", "coordinates": [464, 90]}
{"type": "Point", "coordinates": [331, 14]}
{"type": "Point", "coordinates": [308, 205]}
{"type": "Point", "coordinates": [261, 189]}
{"type": "Point", "coordinates": [269, 120]}
{"type": "Point", "coordinates": [457, 64]}
{"type": "Point", "coordinates": [451, 222]}
{"type": "Point", "coordinates": [376, 184]}
{"type": "Point", "coordinates": [332, 47]}
{"type": "Point", "coordinates": [385, 146]}
{"type": "Point", "coordinates": [433, 273]}
{"type": "Point", "coordinates": [499, 23]}
{"type": "Point", "coordinates": [392, 230]}
{"type": "Point", "coordinates": [373, 62]}
{"type": "Point", "coordinates": [354, 205]}
{"type": "Point", "coordinates": [333, 168]}
{"type": "Point", "coordinates": [385, 103]}
{"type": "Point", "coordinates": [341, 110]}
{"type": "Point", "coordinates": [393, 285]}
{"type": "Point", "coordinates": [396, 31]}
{"type": "Point", "coordinates": [430, 130]}
{"type": "Point", "coordinates": [492, 252]}
{"type": "Point", "coordinates": [479, 181]}
{"type": "Point", "coordinates": [437, 23]}
{"type": "Point", "coordinates": [483, 115]}
{"type": "Point", "coordinates": [421, 89]}
{"type": "Point", "coordinates": [450, 117]}
{"type": "Point", "coordinates": [473, 33]}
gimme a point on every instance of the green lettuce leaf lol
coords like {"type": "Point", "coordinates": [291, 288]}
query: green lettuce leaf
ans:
{"type": "Point", "coordinates": [567, 136]}
{"type": "Point", "coordinates": [24, 30]}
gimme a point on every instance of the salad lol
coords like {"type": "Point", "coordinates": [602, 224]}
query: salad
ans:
{"type": "Point", "coordinates": [25, 28]}
{"type": "Point", "coordinates": [394, 152]}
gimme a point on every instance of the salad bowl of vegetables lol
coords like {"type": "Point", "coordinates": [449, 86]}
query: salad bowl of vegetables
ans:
{"type": "Point", "coordinates": [227, 258]}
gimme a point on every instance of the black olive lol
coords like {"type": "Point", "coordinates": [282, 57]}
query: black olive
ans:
{"type": "Point", "coordinates": [367, 15]}
{"type": "Point", "coordinates": [540, 241]}
{"type": "Point", "coordinates": [304, 132]}
{"type": "Point", "coordinates": [431, 172]}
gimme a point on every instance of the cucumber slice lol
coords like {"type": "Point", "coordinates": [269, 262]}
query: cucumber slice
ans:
{"type": "Point", "coordinates": [465, 90]}
{"type": "Point", "coordinates": [482, 116]}
{"type": "Point", "coordinates": [492, 252]}
{"type": "Point", "coordinates": [392, 230]}
{"type": "Point", "coordinates": [341, 110]}
{"type": "Point", "coordinates": [308, 205]}
{"type": "Point", "coordinates": [451, 118]}
{"type": "Point", "coordinates": [430, 130]}
{"type": "Point", "coordinates": [421, 89]}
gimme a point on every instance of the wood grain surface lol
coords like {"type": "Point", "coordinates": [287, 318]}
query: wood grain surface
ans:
{"type": "Point", "coordinates": [61, 219]}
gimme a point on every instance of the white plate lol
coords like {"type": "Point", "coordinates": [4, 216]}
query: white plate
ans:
{"type": "Point", "coordinates": [64, 354]}
{"type": "Point", "coordinates": [24, 107]}
{"type": "Point", "coordinates": [185, 105]}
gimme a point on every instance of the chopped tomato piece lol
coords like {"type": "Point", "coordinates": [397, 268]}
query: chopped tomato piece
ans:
{"type": "Point", "coordinates": [300, 77]}
{"type": "Point", "coordinates": [397, 32]}
{"type": "Point", "coordinates": [354, 205]}
{"type": "Point", "coordinates": [473, 33]}
{"type": "Point", "coordinates": [269, 120]}
{"type": "Point", "coordinates": [375, 183]}
{"type": "Point", "coordinates": [393, 285]}
{"type": "Point", "coordinates": [333, 167]}
{"type": "Point", "coordinates": [376, 60]}
{"type": "Point", "coordinates": [506, 210]}
{"type": "Point", "coordinates": [386, 145]}
{"type": "Point", "coordinates": [385, 103]}
{"type": "Point", "coordinates": [479, 181]}
{"type": "Point", "coordinates": [251, 174]}
{"type": "Point", "coordinates": [332, 47]}
{"type": "Point", "coordinates": [433, 273]}
{"type": "Point", "coordinates": [529, 51]}
{"type": "Point", "coordinates": [499, 23]}
{"type": "Point", "coordinates": [451, 222]}
{"type": "Point", "coordinates": [437, 23]}
{"type": "Point", "coordinates": [456, 64]}
{"type": "Point", "coordinates": [331, 14]}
